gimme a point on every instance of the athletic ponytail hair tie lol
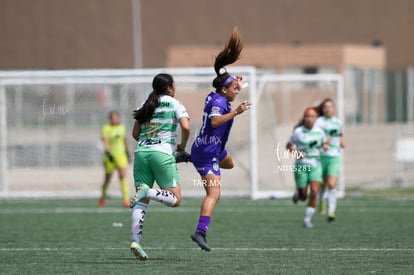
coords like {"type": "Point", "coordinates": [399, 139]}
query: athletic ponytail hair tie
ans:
{"type": "Point", "coordinates": [223, 70]}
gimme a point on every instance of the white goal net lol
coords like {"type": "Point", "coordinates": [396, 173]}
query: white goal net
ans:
{"type": "Point", "coordinates": [51, 121]}
{"type": "Point", "coordinates": [281, 101]}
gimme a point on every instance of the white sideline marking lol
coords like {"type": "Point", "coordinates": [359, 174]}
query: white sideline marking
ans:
{"type": "Point", "coordinates": [73, 210]}
{"type": "Point", "coordinates": [214, 248]}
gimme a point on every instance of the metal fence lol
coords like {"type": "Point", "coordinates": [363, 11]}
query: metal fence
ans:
{"type": "Point", "coordinates": [379, 96]}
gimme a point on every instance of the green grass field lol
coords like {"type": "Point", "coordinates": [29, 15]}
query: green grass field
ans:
{"type": "Point", "coordinates": [372, 235]}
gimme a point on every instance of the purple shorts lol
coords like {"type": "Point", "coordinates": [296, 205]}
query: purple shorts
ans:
{"type": "Point", "coordinates": [209, 167]}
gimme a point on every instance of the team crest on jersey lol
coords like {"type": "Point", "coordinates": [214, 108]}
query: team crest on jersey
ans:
{"type": "Point", "coordinates": [215, 110]}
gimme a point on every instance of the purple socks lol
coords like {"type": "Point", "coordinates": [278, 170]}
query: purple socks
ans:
{"type": "Point", "coordinates": [203, 223]}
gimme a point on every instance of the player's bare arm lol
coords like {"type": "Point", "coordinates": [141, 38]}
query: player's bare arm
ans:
{"type": "Point", "coordinates": [217, 121]}
{"type": "Point", "coordinates": [185, 133]}
{"type": "Point", "coordinates": [136, 131]}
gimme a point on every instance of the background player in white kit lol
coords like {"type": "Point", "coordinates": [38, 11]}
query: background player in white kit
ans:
{"type": "Point", "coordinates": [330, 159]}
{"type": "Point", "coordinates": [307, 141]}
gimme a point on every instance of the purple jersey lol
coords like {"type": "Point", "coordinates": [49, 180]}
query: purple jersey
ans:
{"type": "Point", "coordinates": [210, 142]}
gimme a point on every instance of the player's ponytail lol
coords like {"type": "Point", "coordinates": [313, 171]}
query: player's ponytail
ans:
{"type": "Point", "coordinates": [299, 123]}
{"type": "Point", "coordinates": [160, 84]}
{"type": "Point", "coordinates": [229, 55]}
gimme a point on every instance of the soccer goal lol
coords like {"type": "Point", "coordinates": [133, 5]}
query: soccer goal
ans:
{"type": "Point", "coordinates": [280, 102]}
{"type": "Point", "coordinates": [51, 120]}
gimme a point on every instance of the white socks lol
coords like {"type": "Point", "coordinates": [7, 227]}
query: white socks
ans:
{"type": "Point", "coordinates": [308, 214]}
{"type": "Point", "coordinates": [138, 212]}
{"type": "Point", "coordinates": [137, 221]}
{"type": "Point", "coordinates": [163, 196]}
{"type": "Point", "coordinates": [331, 201]}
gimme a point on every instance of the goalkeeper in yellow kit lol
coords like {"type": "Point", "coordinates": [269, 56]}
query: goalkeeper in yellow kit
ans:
{"type": "Point", "coordinates": [116, 156]}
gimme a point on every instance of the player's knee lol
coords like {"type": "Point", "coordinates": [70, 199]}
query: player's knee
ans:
{"type": "Point", "coordinates": [214, 196]}
{"type": "Point", "coordinates": [227, 163]}
{"type": "Point", "coordinates": [178, 202]}
{"type": "Point", "coordinates": [230, 165]}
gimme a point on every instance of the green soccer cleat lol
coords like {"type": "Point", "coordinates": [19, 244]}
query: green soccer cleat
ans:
{"type": "Point", "coordinates": [142, 191]}
{"type": "Point", "coordinates": [137, 250]}
{"type": "Point", "coordinates": [322, 207]}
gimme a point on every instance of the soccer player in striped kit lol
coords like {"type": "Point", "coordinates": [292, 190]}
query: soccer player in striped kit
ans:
{"type": "Point", "coordinates": [306, 141]}
{"type": "Point", "coordinates": [330, 159]}
{"type": "Point", "coordinates": [208, 152]}
{"type": "Point", "coordinates": [155, 129]}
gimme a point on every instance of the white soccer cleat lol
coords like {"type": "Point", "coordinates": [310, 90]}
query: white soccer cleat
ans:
{"type": "Point", "coordinates": [307, 225]}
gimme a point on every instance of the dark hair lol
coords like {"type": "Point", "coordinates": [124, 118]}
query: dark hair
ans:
{"type": "Point", "coordinates": [111, 113]}
{"type": "Point", "coordinates": [319, 108]}
{"type": "Point", "coordinates": [229, 55]}
{"type": "Point", "coordinates": [160, 84]}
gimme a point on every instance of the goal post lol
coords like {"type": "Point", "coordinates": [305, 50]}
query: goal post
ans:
{"type": "Point", "coordinates": [51, 140]}
{"type": "Point", "coordinates": [51, 121]}
{"type": "Point", "coordinates": [3, 141]}
{"type": "Point", "coordinates": [279, 104]}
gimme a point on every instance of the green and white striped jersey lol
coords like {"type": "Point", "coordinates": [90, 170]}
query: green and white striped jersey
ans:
{"type": "Point", "coordinates": [160, 132]}
{"type": "Point", "coordinates": [333, 128]}
{"type": "Point", "coordinates": [308, 142]}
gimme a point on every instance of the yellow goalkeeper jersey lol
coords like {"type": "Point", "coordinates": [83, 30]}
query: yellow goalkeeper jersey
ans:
{"type": "Point", "coordinates": [116, 136]}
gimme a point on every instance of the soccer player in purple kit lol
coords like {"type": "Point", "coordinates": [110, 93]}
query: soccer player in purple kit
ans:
{"type": "Point", "coordinates": [208, 152]}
